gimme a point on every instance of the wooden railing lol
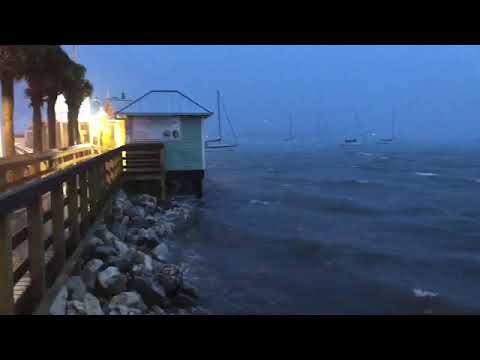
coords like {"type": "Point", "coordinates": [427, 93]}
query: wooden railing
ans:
{"type": "Point", "coordinates": [43, 223]}
{"type": "Point", "coordinates": [59, 209]}
{"type": "Point", "coordinates": [24, 168]}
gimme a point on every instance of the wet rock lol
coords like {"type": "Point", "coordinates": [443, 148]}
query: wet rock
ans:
{"type": "Point", "coordinates": [104, 251]}
{"type": "Point", "coordinates": [161, 252]}
{"type": "Point", "coordinates": [99, 230]}
{"type": "Point", "coordinates": [151, 291]}
{"type": "Point", "coordinates": [139, 222]}
{"type": "Point", "coordinates": [107, 236]}
{"type": "Point", "coordinates": [131, 237]}
{"type": "Point", "coordinates": [182, 300]}
{"type": "Point", "coordinates": [95, 241]}
{"type": "Point", "coordinates": [129, 299]}
{"type": "Point", "coordinates": [134, 312]}
{"type": "Point", "coordinates": [119, 229]}
{"type": "Point", "coordinates": [137, 269]}
{"type": "Point", "coordinates": [151, 221]}
{"type": "Point", "coordinates": [163, 229]}
{"type": "Point", "coordinates": [59, 305]}
{"type": "Point", "coordinates": [135, 211]}
{"type": "Point", "coordinates": [123, 263]}
{"type": "Point", "coordinates": [148, 238]}
{"type": "Point", "coordinates": [90, 272]}
{"type": "Point", "coordinates": [76, 288]}
{"type": "Point", "coordinates": [189, 289]}
{"type": "Point", "coordinates": [76, 308]}
{"type": "Point", "coordinates": [170, 277]}
{"type": "Point", "coordinates": [112, 281]}
{"type": "Point", "coordinates": [92, 305]}
{"type": "Point", "coordinates": [157, 310]}
{"type": "Point", "coordinates": [121, 247]}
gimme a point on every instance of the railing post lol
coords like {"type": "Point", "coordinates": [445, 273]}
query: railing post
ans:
{"type": "Point", "coordinates": [36, 248]}
{"type": "Point", "coordinates": [84, 203]}
{"type": "Point", "coordinates": [93, 190]}
{"type": "Point", "coordinates": [72, 192]}
{"type": "Point", "coordinates": [7, 306]}
{"type": "Point", "coordinates": [58, 230]}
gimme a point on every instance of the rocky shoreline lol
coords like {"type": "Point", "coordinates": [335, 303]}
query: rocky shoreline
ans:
{"type": "Point", "coordinates": [128, 265]}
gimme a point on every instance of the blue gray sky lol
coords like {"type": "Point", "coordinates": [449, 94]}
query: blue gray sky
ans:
{"type": "Point", "coordinates": [434, 91]}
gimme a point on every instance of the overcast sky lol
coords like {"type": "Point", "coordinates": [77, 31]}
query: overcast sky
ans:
{"type": "Point", "coordinates": [434, 91]}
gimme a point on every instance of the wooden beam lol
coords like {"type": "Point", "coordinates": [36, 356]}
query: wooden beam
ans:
{"type": "Point", "coordinates": [72, 194]}
{"type": "Point", "coordinates": [58, 230]}
{"type": "Point", "coordinates": [36, 249]}
{"type": "Point", "coordinates": [84, 203]}
{"type": "Point", "coordinates": [7, 306]}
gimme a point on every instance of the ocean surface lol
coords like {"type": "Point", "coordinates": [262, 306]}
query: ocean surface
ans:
{"type": "Point", "coordinates": [305, 228]}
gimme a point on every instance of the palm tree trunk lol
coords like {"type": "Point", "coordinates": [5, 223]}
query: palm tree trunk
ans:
{"type": "Point", "coordinates": [73, 133]}
{"type": "Point", "coordinates": [52, 122]}
{"type": "Point", "coordinates": [37, 128]}
{"type": "Point", "coordinates": [7, 111]}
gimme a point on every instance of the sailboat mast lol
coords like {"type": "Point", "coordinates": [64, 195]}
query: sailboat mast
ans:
{"type": "Point", "coordinates": [219, 115]}
{"type": "Point", "coordinates": [291, 126]}
{"type": "Point", "coordinates": [393, 124]}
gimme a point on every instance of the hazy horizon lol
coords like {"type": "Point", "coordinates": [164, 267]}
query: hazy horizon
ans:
{"type": "Point", "coordinates": [433, 90]}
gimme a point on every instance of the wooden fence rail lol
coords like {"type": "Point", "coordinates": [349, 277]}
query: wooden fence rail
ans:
{"type": "Point", "coordinates": [23, 168]}
{"type": "Point", "coordinates": [44, 221]}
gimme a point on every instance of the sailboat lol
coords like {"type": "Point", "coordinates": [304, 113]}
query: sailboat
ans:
{"type": "Point", "coordinates": [217, 143]}
{"type": "Point", "coordinates": [290, 137]}
{"type": "Point", "coordinates": [352, 140]}
{"type": "Point", "coordinates": [392, 136]}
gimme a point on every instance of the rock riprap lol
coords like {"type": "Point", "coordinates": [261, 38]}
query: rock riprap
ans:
{"type": "Point", "coordinates": [127, 264]}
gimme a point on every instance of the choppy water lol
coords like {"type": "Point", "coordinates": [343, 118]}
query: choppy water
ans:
{"type": "Point", "coordinates": [308, 229]}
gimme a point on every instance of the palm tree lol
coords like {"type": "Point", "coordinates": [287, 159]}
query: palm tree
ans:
{"type": "Point", "coordinates": [11, 69]}
{"type": "Point", "coordinates": [57, 63]}
{"type": "Point", "coordinates": [75, 89]}
{"type": "Point", "coordinates": [36, 76]}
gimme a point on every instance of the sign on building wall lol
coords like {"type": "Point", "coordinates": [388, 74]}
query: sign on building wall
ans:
{"type": "Point", "coordinates": [163, 130]}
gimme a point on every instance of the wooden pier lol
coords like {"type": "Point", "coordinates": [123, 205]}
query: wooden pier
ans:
{"type": "Point", "coordinates": [60, 196]}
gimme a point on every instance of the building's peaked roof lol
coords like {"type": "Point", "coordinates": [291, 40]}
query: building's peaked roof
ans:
{"type": "Point", "coordinates": [163, 103]}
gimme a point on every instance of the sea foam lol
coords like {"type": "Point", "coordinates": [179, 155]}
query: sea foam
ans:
{"type": "Point", "coordinates": [423, 293]}
{"type": "Point", "coordinates": [425, 174]}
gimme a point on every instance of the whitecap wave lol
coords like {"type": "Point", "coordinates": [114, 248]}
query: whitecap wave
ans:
{"type": "Point", "coordinates": [259, 202]}
{"type": "Point", "coordinates": [424, 294]}
{"type": "Point", "coordinates": [425, 174]}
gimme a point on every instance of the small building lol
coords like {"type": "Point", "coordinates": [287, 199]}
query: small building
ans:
{"type": "Point", "coordinates": [172, 118]}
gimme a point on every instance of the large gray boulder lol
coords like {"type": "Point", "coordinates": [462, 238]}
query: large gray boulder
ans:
{"type": "Point", "coordinates": [90, 272]}
{"type": "Point", "coordinates": [119, 228]}
{"type": "Point", "coordinates": [161, 252]}
{"type": "Point", "coordinates": [59, 305]}
{"type": "Point", "coordinates": [104, 251]}
{"type": "Point", "coordinates": [121, 247]}
{"type": "Point", "coordinates": [112, 281]}
{"type": "Point", "coordinates": [157, 310]}
{"type": "Point", "coordinates": [135, 211]}
{"type": "Point", "coordinates": [107, 236]}
{"type": "Point", "coordinates": [170, 277]}
{"type": "Point", "coordinates": [182, 300]}
{"type": "Point", "coordinates": [76, 288]}
{"type": "Point", "coordinates": [129, 299]}
{"type": "Point", "coordinates": [152, 292]}
{"type": "Point", "coordinates": [92, 305]}
{"type": "Point", "coordinates": [75, 307]}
